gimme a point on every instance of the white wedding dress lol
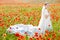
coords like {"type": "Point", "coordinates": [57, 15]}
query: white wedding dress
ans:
{"type": "Point", "coordinates": [44, 24]}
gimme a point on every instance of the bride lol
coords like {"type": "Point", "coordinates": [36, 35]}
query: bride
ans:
{"type": "Point", "coordinates": [44, 24]}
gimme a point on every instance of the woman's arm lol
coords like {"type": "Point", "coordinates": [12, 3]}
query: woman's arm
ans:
{"type": "Point", "coordinates": [46, 16]}
{"type": "Point", "coordinates": [46, 13]}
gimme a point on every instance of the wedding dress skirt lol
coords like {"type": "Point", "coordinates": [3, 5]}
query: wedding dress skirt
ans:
{"type": "Point", "coordinates": [21, 28]}
{"type": "Point", "coordinates": [44, 24]}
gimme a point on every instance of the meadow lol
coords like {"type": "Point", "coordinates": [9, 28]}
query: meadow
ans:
{"type": "Point", "coordinates": [11, 15]}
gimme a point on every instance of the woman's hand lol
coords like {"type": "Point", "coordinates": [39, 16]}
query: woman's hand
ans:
{"type": "Point", "coordinates": [46, 16]}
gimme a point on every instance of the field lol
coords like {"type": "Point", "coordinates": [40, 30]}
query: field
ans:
{"type": "Point", "coordinates": [11, 15]}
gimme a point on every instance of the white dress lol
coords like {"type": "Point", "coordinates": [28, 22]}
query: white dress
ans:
{"type": "Point", "coordinates": [30, 29]}
{"type": "Point", "coordinates": [45, 23]}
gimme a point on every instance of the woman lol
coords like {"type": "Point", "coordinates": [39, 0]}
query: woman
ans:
{"type": "Point", "coordinates": [45, 22]}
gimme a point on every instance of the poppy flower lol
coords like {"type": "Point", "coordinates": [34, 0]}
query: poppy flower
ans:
{"type": "Point", "coordinates": [9, 31]}
{"type": "Point", "coordinates": [54, 11]}
{"type": "Point", "coordinates": [39, 29]}
{"type": "Point", "coordinates": [10, 27]}
{"type": "Point", "coordinates": [58, 36]}
{"type": "Point", "coordinates": [0, 19]}
{"type": "Point", "coordinates": [17, 34]}
{"type": "Point", "coordinates": [17, 18]}
{"type": "Point", "coordinates": [52, 16]}
{"type": "Point", "coordinates": [31, 22]}
{"type": "Point", "coordinates": [46, 31]}
{"type": "Point", "coordinates": [57, 18]}
{"type": "Point", "coordinates": [49, 25]}
{"type": "Point", "coordinates": [54, 35]}
{"type": "Point", "coordinates": [1, 24]}
{"type": "Point", "coordinates": [24, 21]}
{"type": "Point", "coordinates": [4, 34]}
{"type": "Point", "coordinates": [36, 33]}
{"type": "Point", "coordinates": [40, 36]}
{"type": "Point", "coordinates": [9, 20]}
{"type": "Point", "coordinates": [46, 34]}
{"type": "Point", "coordinates": [25, 32]}
{"type": "Point", "coordinates": [49, 38]}
{"type": "Point", "coordinates": [22, 37]}
{"type": "Point", "coordinates": [37, 38]}
{"type": "Point", "coordinates": [31, 39]}
{"type": "Point", "coordinates": [44, 38]}
{"type": "Point", "coordinates": [19, 39]}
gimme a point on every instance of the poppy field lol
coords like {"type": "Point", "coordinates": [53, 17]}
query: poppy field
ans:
{"type": "Point", "coordinates": [11, 15]}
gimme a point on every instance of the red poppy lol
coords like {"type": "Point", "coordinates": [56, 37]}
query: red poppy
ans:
{"type": "Point", "coordinates": [57, 18]}
{"type": "Point", "coordinates": [1, 24]}
{"type": "Point", "coordinates": [22, 37]}
{"type": "Point", "coordinates": [39, 29]}
{"type": "Point", "coordinates": [31, 39]}
{"type": "Point", "coordinates": [26, 33]}
{"type": "Point", "coordinates": [37, 38]}
{"type": "Point", "coordinates": [10, 27]}
{"type": "Point", "coordinates": [46, 34]}
{"type": "Point", "coordinates": [9, 20]}
{"type": "Point", "coordinates": [19, 39]}
{"type": "Point", "coordinates": [9, 31]}
{"type": "Point", "coordinates": [17, 34]}
{"type": "Point", "coordinates": [40, 35]}
{"type": "Point", "coordinates": [46, 31]}
{"type": "Point", "coordinates": [7, 25]}
{"type": "Point", "coordinates": [49, 38]}
{"type": "Point", "coordinates": [36, 33]}
{"type": "Point", "coordinates": [4, 34]}
{"type": "Point", "coordinates": [52, 16]}
{"type": "Point", "coordinates": [17, 18]}
{"type": "Point", "coordinates": [0, 19]}
{"type": "Point", "coordinates": [54, 11]}
{"type": "Point", "coordinates": [54, 35]}
{"type": "Point", "coordinates": [49, 25]}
